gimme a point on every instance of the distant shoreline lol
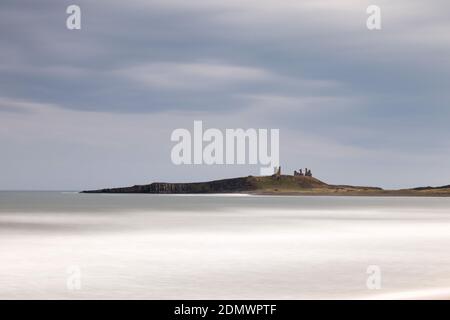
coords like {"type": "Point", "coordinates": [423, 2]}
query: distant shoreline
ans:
{"type": "Point", "coordinates": [274, 185]}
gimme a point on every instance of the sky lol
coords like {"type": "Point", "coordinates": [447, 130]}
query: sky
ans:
{"type": "Point", "coordinates": [93, 108]}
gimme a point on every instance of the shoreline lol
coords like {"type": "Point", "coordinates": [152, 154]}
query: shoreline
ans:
{"type": "Point", "coordinates": [274, 185]}
{"type": "Point", "coordinates": [387, 194]}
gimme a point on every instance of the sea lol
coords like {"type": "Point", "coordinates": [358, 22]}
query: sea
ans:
{"type": "Point", "coordinates": [67, 245]}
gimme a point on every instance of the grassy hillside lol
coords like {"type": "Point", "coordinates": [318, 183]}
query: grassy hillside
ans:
{"type": "Point", "coordinates": [274, 185]}
{"type": "Point", "coordinates": [262, 185]}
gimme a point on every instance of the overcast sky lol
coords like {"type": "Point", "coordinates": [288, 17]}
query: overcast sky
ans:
{"type": "Point", "coordinates": [95, 107]}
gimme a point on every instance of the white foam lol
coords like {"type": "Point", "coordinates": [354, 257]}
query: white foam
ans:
{"type": "Point", "coordinates": [233, 252]}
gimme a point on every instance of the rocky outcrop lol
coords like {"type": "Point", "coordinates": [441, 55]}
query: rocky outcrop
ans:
{"type": "Point", "coordinates": [234, 185]}
{"type": "Point", "coordinates": [217, 186]}
{"type": "Point", "coordinates": [275, 184]}
{"type": "Point", "coordinates": [431, 188]}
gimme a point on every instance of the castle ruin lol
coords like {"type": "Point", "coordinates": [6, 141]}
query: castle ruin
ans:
{"type": "Point", "coordinates": [277, 171]}
{"type": "Point", "coordinates": [300, 173]}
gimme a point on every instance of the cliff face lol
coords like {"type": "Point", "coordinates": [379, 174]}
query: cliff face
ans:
{"type": "Point", "coordinates": [272, 185]}
{"type": "Point", "coordinates": [218, 186]}
{"type": "Point", "coordinates": [235, 185]}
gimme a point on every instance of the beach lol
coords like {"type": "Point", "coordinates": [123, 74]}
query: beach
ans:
{"type": "Point", "coordinates": [221, 246]}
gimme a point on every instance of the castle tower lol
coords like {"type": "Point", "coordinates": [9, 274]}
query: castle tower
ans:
{"type": "Point", "coordinates": [277, 171]}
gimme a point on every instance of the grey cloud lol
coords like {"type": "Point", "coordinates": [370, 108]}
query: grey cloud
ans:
{"type": "Point", "coordinates": [296, 40]}
{"type": "Point", "coordinates": [310, 68]}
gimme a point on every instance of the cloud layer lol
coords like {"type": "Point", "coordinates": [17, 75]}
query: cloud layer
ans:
{"type": "Point", "coordinates": [96, 107]}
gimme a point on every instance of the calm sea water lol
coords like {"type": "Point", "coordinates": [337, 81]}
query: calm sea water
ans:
{"type": "Point", "coordinates": [72, 246]}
